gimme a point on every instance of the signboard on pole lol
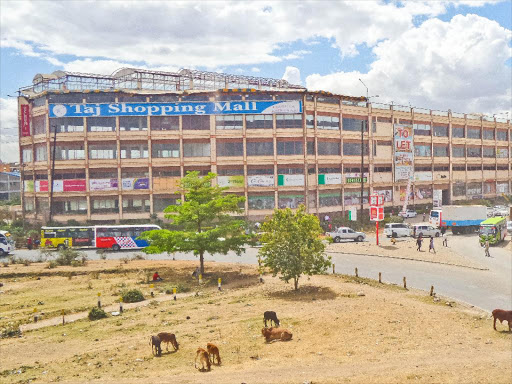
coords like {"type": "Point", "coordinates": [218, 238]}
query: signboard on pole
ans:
{"type": "Point", "coordinates": [352, 214]}
{"type": "Point", "coordinates": [376, 213]}
{"type": "Point", "coordinates": [376, 200]}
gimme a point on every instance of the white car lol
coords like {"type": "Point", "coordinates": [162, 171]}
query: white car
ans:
{"type": "Point", "coordinates": [345, 233]}
{"type": "Point", "coordinates": [5, 246]}
{"type": "Point", "coordinates": [408, 213]}
{"type": "Point", "coordinates": [401, 229]}
{"type": "Point", "coordinates": [425, 231]}
{"type": "Point", "coordinates": [509, 227]}
{"type": "Point", "coordinates": [500, 210]}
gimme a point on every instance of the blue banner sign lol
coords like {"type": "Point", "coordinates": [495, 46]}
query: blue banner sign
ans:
{"type": "Point", "coordinates": [173, 109]}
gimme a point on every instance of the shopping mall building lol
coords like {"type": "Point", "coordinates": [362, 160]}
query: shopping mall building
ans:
{"type": "Point", "coordinates": [122, 143]}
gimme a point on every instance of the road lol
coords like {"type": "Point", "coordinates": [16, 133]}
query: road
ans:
{"type": "Point", "coordinates": [485, 289]}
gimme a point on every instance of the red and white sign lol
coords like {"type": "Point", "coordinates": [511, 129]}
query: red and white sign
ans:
{"type": "Point", "coordinates": [25, 120]}
{"type": "Point", "coordinates": [376, 213]}
{"type": "Point", "coordinates": [376, 200]}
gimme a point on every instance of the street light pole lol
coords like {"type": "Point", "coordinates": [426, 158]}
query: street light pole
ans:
{"type": "Point", "coordinates": [362, 157]}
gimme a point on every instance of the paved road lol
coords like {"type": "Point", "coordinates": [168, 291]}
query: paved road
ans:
{"type": "Point", "coordinates": [485, 289]}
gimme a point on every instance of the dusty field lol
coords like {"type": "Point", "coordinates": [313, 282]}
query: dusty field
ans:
{"type": "Point", "coordinates": [389, 335]}
{"type": "Point", "coordinates": [406, 249]}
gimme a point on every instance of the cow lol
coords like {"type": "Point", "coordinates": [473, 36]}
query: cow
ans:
{"type": "Point", "coordinates": [169, 338]}
{"type": "Point", "coordinates": [155, 343]}
{"type": "Point", "coordinates": [502, 315]}
{"type": "Point", "coordinates": [213, 351]}
{"type": "Point", "coordinates": [276, 334]}
{"type": "Point", "coordinates": [204, 358]}
{"type": "Point", "coordinates": [271, 316]}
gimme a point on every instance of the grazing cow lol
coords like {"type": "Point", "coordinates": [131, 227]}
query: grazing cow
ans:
{"type": "Point", "coordinates": [502, 315]}
{"type": "Point", "coordinates": [213, 351]}
{"type": "Point", "coordinates": [155, 343]}
{"type": "Point", "coordinates": [203, 359]}
{"type": "Point", "coordinates": [271, 316]}
{"type": "Point", "coordinates": [169, 338]}
{"type": "Point", "coordinates": [276, 334]}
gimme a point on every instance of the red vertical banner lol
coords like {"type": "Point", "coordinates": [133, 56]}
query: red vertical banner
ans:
{"type": "Point", "coordinates": [25, 120]}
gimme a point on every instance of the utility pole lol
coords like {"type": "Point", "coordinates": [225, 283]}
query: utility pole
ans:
{"type": "Point", "coordinates": [52, 175]}
{"type": "Point", "coordinates": [362, 156]}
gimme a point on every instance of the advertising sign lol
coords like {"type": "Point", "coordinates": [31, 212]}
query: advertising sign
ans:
{"type": "Point", "coordinates": [376, 200]}
{"type": "Point", "coordinates": [25, 120]}
{"type": "Point", "coordinates": [74, 185]}
{"type": "Point", "coordinates": [103, 184]}
{"type": "Point", "coordinates": [403, 192]}
{"type": "Point", "coordinates": [355, 177]}
{"type": "Point", "coordinates": [175, 109]}
{"type": "Point", "coordinates": [41, 186]}
{"type": "Point", "coordinates": [422, 193]}
{"type": "Point", "coordinates": [437, 198]}
{"type": "Point", "coordinates": [387, 194]}
{"type": "Point", "coordinates": [28, 185]}
{"type": "Point", "coordinates": [330, 178]}
{"type": "Point", "coordinates": [131, 183]}
{"type": "Point", "coordinates": [404, 154]}
{"type": "Point", "coordinates": [260, 181]}
{"type": "Point", "coordinates": [423, 176]}
{"type": "Point", "coordinates": [290, 180]}
{"type": "Point", "coordinates": [231, 181]}
{"type": "Point", "coordinates": [376, 213]}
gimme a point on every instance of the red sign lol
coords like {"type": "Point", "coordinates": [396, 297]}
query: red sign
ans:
{"type": "Point", "coordinates": [25, 120]}
{"type": "Point", "coordinates": [74, 185]}
{"type": "Point", "coordinates": [376, 213]}
{"type": "Point", "coordinates": [376, 200]}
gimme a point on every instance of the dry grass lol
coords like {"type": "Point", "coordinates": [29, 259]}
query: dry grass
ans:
{"type": "Point", "coordinates": [388, 335]}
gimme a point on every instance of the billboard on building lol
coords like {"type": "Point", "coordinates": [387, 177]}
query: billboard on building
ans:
{"type": "Point", "coordinates": [437, 198]}
{"type": "Point", "coordinates": [421, 193]}
{"type": "Point", "coordinates": [175, 109]}
{"type": "Point", "coordinates": [131, 183]}
{"type": "Point", "coordinates": [423, 176]}
{"type": "Point", "coordinates": [103, 184]}
{"type": "Point", "coordinates": [237, 181]}
{"type": "Point", "coordinates": [386, 193]}
{"type": "Point", "coordinates": [260, 181]}
{"type": "Point", "coordinates": [355, 177]}
{"type": "Point", "coordinates": [69, 185]}
{"type": "Point", "coordinates": [404, 155]}
{"type": "Point", "coordinates": [28, 185]}
{"type": "Point", "coordinates": [25, 120]}
{"type": "Point", "coordinates": [290, 180]}
{"type": "Point", "coordinates": [330, 178]}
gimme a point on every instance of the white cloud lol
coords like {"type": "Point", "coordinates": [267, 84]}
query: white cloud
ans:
{"type": "Point", "coordinates": [292, 75]}
{"type": "Point", "coordinates": [255, 69]}
{"type": "Point", "coordinates": [458, 64]}
{"type": "Point", "coordinates": [296, 54]}
{"type": "Point", "coordinates": [9, 130]}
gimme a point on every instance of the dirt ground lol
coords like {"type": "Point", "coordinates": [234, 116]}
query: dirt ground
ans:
{"type": "Point", "coordinates": [406, 249]}
{"type": "Point", "coordinates": [345, 330]}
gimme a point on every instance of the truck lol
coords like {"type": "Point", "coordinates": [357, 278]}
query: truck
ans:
{"type": "Point", "coordinates": [493, 229]}
{"type": "Point", "coordinates": [460, 218]}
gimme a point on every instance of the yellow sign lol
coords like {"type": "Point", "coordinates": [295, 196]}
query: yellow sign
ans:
{"type": "Point", "coordinates": [99, 294]}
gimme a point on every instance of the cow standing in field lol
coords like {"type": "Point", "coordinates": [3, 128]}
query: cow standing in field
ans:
{"type": "Point", "coordinates": [204, 358]}
{"type": "Point", "coordinates": [276, 334]}
{"type": "Point", "coordinates": [502, 315]}
{"type": "Point", "coordinates": [167, 338]}
{"type": "Point", "coordinates": [270, 316]}
{"type": "Point", "coordinates": [213, 351]}
{"type": "Point", "coordinates": [155, 343]}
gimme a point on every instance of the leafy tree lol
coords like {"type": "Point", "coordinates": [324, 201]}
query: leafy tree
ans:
{"type": "Point", "coordinates": [205, 221]}
{"type": "Point", "coordinates": [291, 245]}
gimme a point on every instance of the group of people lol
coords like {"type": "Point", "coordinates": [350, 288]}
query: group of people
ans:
{"type": "Point", "coordinates": [419, 242]}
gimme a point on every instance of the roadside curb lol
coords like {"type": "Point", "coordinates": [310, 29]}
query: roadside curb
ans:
{"type": "Point", "coordinates": [406, 258]}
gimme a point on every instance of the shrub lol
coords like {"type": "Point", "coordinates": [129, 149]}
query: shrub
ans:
{"type": "Point", "coordinates": [97, 313]}
{"type": "Point", "coordinates": [68, 255]}
{"type": "Point", "coordinates": [393, 219]}
{"type": "Point", "coordinates": [10, 330]}
{"type": "Point", "coordinates": [103, 253]}
{"type": "Point", "coordinates": [132, 296]}
{"type": "Point", "coordinates": [138, 256]}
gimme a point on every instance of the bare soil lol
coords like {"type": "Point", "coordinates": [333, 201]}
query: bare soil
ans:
{"type": "Point", "coordinates": [389, 335]}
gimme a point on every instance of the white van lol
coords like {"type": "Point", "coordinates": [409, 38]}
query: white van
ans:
{"type": "Point", "coordinates": [5, 245]}
{"type": "Point", "coordinates": [425, 231]}
{"type": "Point", "coordinates": [401, 229]}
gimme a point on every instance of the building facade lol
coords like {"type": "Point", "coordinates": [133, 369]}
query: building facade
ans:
{"type": "Point", "coordinates": [123, 142]}
{"type": "Point", "coordinates": [9, 186]}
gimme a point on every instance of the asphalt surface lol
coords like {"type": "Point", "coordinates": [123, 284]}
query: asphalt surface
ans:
{"type": "Point", "coordinates": [488, 289]}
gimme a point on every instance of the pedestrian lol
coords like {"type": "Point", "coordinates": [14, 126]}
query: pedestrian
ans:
{"type": "Point", "coordinates": [487, 254]}
{"type": "Point", "coordinates": [431, 245]}
{"type": "Point", "coordinates": [393, 238]}
{"type": "Point", "coordinates": [29, 243]}
{"type": "Point", "coordinates": [445, 239]}
{"type": "Point", "coordinates": [423, 217]}
{"type": "Point", "coordinates": [156, 277]}
{"type": "Point", "coordinates": [418, 243]}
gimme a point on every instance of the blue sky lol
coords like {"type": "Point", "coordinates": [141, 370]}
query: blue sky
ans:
{"type": "Point", "coordinates": [439, 55]}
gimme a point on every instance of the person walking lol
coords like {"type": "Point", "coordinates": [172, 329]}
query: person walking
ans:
{"type": "Point", "coordinates": [445, 239]}
{"type": "Point", "coordinates": [418, 243]}
{"type": "Point", "coordinates": [486, 246]}
{"type": "Point", "coordinates": [431, 245]}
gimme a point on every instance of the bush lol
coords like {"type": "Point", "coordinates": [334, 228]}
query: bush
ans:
{"type": "Point", "coordinates": [97, 313]}
{"type": "Point", "coordinates": [52, 264]}
{"type": "Point", "coordinates": [10, 330]}
{"type": "Point", "coordinates": [68, 255]}
{"type": "Point", "coordinates": [132, 296]}
{"type": "Point", "coordinates": [393, 219]}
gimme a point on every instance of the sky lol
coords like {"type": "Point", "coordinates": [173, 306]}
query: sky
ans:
{"type": "Point", "coordinates": [427, 54]}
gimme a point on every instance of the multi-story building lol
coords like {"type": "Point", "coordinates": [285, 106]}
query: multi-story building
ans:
{"type": "Point", "coordinates": [9, 185]}
{"type": "Point", "coordinates": [123, 142]}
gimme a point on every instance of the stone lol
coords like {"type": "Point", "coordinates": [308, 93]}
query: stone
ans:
{"type": "Point", "coordinates": [360, 293]}
{"type": "Point", "coordinates": [115, 313]}
{"type": "Point", "coordinates": [139, 360]}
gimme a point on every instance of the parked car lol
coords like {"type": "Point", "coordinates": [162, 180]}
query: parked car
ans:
{"type": "Point", "coordinates": [345, 233]}
{"type": "Point", "coordinates": [500, 210]}
{"type": "Point", "coordinates": [408, 213]}
{"type": "Point", "coordinates": [509, 227]}
{"type": "Point", "coordinates": [401, 229]}
{"type": "Point", "coordinates": [425, 231]}
{"type": "Point", "coordinates": [490, 212]}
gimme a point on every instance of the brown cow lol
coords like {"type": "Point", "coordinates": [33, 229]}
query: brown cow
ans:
{"type": "Point", "coordinates": [169, 338]}
{"type": "Point", "coordinates": [155, 343]}
{"type": "Point", "coordinates": [213, 351]}
{"type": "Point", "coordinates": [276, 334]}
{"type": "Point", "coordinates": [204, 358]}
{"type": "Point", "coordinates": [502, 315]}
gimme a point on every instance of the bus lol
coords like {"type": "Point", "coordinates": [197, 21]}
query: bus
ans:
{"type": "Point", "coordinates": [114, 237]}
{"type": "Point", "coordinates": [493, 229]}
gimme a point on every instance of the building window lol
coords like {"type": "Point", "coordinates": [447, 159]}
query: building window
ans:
{"type": "Point", "coordinates": [136, 204]}
{"type": "Point", "coordinates": [41, 153]}
{"type": "Point", "coordinates": [441, 168]}
{"type": "Point", "coordinates": [354, 149]}
{"type": "Point", "coordinates": [29, 205]}
{"type": "Point", "coordinates": [289, 121]}
{"type": "Point", "coordinates": [101, 124]}
{"type": "Point", "coordinates": [355, 125]}
{"type": "Point", "coordinates": [69, 153]}
{"type": "Point", "coordinates": [196, 149]}
{"type": "Point", "coordinates": [488, 134]}
{"type": "Point", "coordinates": [260, 148]}
{"type": "Point", "coordinates": [229, 121]}
{"type": "Point", "coordinates": [501, 135]}
{"type": "Point", "coordinates": [230, 171]}
{"type": "Point", "coordinates": [328, 122]}
{"type": "Point", "coordinates": [39, 102]}
{"type": "Point", "coordinates": [474, 133]}
{"type": "Point", "coordinates": [290, 148]}
{"type": "Point", "coordinates": [27, 155]}
{"type": "Point", "coordinates": [381, 168]}
{"type": "Point", "coordinates": [329, 148]}
{"type": "Point", "coordinates": [328, 100]}
{"type": "Point", "coordinates": [171, 172]}
{"type": "Point", "coordinates": [259, 121]}
{"type": "Point", "coordinates": [68, 124]}
{"type": "Point", "coordinates": [422, 150]}
{"type": "Point", "coordinates": [325, 170]}
{"type": "Point", "coordinates": [290, 171]}
{"type": "Point", "coordinates": [422, 129]}
{"type": "Point", "coordinates": [290, 201]}
{"type": "Point", "coordinates": [160, 203]}
{"type": "Point", "coordinates": [39, 125]}
{"type": "Point", "coordinates": [165, 123]}
{"type": "Point", "coordinates": [459, 168]}
{"type": "Point", "coordinates": [260, 202]}
{"type": "Point", "coordinates": [489, 167]}
{"type": "Point", "coordinates": [502, 153]}
{"type": "Point", "coordinates": [440, 130]}
{"type": "Point", "coordinates": [458, 151]}
{"type": "Point", "coordinates": [105, 206]}
{"type": "Point", "coordinates": [311, 147]}
{"type": "Point", "coordinates": [201, 123]}
{"type": "Point", "coordinates": [440, 151]}
{"type": "Point", "coordinates": [71, 207]}
{"type": "Point", "coordinates": [329, 199]}
{"type": "Point", "coordinates": [489, 152]}
{"type": "Point", "coordinates": [134, 151]}
{"type": "Point", "coordinates": [474, 189]}
{"type": "Point", "coordinates": [133, 123]}
{"type": "Point", "coordinates": [230, 149]}
{"type": "Point", "coordinates": [162, 150]}
{"type": "Point", "coordinates": [354, 197]}
{"type": "Point", "coordinates": [457, 132]}
{"type": "Point", "coordinates": [102, 152]}
{"type": "Point", "coordinates": [474, 151]}
{"type": "Point", "coordinates": [310, 120]}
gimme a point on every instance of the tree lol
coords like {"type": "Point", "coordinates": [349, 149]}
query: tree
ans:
{"type": "Point", "coordinates": [291, 245]}
{"type": "Point", "coordinates": [205, 221]}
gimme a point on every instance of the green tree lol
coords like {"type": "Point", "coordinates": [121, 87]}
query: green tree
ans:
{"type": "Point", "coordinates": [291, 245]}
{"type": "Point", "coordinates": [206, 221]}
